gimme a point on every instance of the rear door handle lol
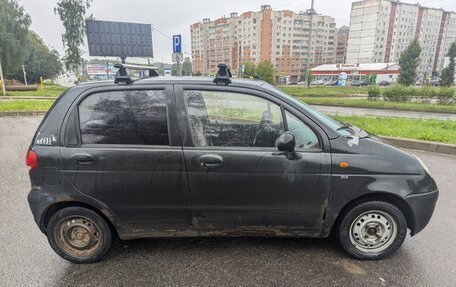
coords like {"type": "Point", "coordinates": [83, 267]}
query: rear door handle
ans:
{"type": "Point", "coordinates": [82, 159]}
{"type": "Point", "coordinates": [210, 160]}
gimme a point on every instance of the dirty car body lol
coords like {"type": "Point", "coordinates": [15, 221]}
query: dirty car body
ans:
{"type": "Point", "coordinates": [170, 156]}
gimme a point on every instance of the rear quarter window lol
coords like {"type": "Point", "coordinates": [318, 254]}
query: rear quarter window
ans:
{"type": "Point", "coordinates": [124, 117]}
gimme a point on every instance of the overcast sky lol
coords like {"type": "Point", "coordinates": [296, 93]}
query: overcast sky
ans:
{"type": "Point", "coordinates": [170, 17]}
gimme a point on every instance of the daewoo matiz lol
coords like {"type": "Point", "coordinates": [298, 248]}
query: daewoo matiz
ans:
{"type": "Point", "coordinates": [170, 156]}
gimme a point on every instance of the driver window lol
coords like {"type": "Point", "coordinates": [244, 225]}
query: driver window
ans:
{"type": "Point", "coordinates": [305, 136]}
{"type": "Point", "coordinates": [232, 119]}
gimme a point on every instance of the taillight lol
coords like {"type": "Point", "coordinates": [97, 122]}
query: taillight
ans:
{"type": "Point", "coordinates": [31, 160]}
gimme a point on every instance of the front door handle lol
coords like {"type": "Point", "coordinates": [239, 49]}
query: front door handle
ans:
{"type": "Point", "coordinates": [210, 160]}
{"type": "Point", "coordinates": [82, 159]}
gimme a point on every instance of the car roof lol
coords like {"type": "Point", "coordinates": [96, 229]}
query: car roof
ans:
{"type": "Point", "coordinates": [176, 80]}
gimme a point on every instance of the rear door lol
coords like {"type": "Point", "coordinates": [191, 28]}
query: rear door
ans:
{"type": "Point", "coordinates": [237, 179]}
{"type": "Point", "coordinates": [122, 149]}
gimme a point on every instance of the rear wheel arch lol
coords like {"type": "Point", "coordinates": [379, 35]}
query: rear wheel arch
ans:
{"type": "Point", "coordinates": [379, 196]}
{"type": "Point", "coordinates": [52, 209]}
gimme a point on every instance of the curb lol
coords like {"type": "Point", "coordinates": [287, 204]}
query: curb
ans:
{"type": "Point", "coordinates": [8, 98]}
{"type": "Point", "coordinates": [422, 145]}
{"type": "Point", "coordinates": [22, 114]}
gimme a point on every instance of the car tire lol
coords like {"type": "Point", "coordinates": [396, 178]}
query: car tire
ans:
{"type": "Point", "coordinates": [79, 235]}
{"type": "Point", "coordinates": [371, 230]}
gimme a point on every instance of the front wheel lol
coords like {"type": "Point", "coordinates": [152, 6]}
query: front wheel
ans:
{"type": "Point", "coordinates": [79, 235]}
{"type": "Point", "coordinates": [372, 230]}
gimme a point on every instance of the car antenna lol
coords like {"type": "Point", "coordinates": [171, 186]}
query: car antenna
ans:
{"type": "Point", "coordinates": [223, 75]}
{"type": "Point", "coordinates": [122, 76]}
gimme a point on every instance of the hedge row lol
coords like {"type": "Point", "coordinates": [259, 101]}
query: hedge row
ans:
{"type": "Point", "coordinates": [399, 93]}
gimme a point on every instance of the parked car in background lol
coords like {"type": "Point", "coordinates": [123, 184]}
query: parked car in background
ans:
{"type": "Point", "coordinates": [176, 156]}
{"type": "Point", "coordinates": [384, 83]}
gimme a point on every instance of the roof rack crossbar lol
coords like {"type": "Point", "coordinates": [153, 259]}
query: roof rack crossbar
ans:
{"type": "Point", "coordinates": [122, 75]}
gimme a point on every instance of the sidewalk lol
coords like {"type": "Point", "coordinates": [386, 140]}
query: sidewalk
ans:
{"type": "Point", "coordinates": [349, 111]}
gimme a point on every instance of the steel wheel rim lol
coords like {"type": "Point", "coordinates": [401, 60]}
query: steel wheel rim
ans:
{"type": "Point", "coordinates": [78, 236]}
{"type": "Point", "coordinates": [373, 231]}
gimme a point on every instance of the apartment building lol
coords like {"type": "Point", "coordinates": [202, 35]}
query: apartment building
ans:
{"type": "Point", "coordinates": [341, 44]}
{"type": "Point", "coordinates": [280, 37]}
{"type": "Point", "coordinates": [381, 29]}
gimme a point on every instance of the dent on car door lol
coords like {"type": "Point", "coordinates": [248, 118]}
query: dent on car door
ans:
{"type": "Point", "coordinates": [127, 156]}
{"type": "Point", "coordinates": [237, 179]}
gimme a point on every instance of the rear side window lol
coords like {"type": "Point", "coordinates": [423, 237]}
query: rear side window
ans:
{"type": "Point", "coordinates": [124, 117]}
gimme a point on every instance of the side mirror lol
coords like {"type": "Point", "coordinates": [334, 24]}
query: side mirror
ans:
{"type": "Point", "coordinates": [286, 142]}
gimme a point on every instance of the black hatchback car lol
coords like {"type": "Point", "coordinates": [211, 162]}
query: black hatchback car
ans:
{"type": "Point", "coordinates": [170, 156]}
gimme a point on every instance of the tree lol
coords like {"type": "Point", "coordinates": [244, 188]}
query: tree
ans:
{"type": "Point", "coordinates": [409, 62]}
{"type": "Point", "coordinates": [447, 75]}
{"type": "Point", "coordinates": [73, 15]}
{"type": "Point", "coordinates": [40, 62]}
{"type": "Point", "coordinates": [14, 25]}
{"type": "Point", "coordinates": [186, 67]}
{"type": "Point", "coordinates": [265, 71]}
{"type": "Point", "coordinates": [249, 70]}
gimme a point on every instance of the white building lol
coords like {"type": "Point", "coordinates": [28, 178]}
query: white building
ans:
{"type": "Point", "coordinates": [381, 29]}
{"type": "Point", "coordinates": [356, 72]}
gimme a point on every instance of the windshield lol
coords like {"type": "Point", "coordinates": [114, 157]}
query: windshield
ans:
{"type": "Point", "coordinates": [338, 126]}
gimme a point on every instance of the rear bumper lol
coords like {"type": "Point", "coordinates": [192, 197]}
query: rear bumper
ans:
{"type": "Point", "coordinates": [39, 201]}
{"type": "Point", "coordinates": [423, 206]}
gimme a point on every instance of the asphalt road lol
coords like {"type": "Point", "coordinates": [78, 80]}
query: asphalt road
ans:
{"type": "Point", "coordinates": [428, 259]}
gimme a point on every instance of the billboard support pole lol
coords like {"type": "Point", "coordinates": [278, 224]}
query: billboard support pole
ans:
{"type": "Point", "coordinates": [1, 78]}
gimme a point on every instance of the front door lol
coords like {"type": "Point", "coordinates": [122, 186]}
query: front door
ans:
{"type": "Point", "coordinates": [237, 179]}
{"type": "Point", "coordinates": [126, 155]}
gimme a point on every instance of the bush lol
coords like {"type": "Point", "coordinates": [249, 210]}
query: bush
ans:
{"type": "Point", "coordinates": [373, 93]}
{"type": "Point", "coordinates": [425, 94]}
{"type": "Point", "coordinates": [445, 96]}
{"type": "Point", "coordinates": [397, 93]}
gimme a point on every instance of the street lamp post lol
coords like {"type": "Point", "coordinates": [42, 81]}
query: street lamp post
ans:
{"type": "Point", "coordinates": [309, 44]}
{"type": "Point", "coordinates": [239, 56]}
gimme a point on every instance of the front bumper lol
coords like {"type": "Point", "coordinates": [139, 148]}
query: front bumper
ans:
{"type": "Point", "coordinates": [423, 206]}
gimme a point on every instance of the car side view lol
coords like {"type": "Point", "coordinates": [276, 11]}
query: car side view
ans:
{"type": "Point", "coordinates": [195, 156]}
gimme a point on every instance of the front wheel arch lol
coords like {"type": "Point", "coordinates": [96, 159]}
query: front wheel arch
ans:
{"type": "Point", "coordinates": [381, 196]}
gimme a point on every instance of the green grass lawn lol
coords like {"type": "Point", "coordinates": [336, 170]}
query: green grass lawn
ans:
{"type": "Point", "coordinates": [429, 130]}
{"type": "Point", "coordinates": [49, 90]}
{"type": "Point", "coordinates": [25, 106]}
{"type": "Point", "coordinates": [322, 91]}
{"type": "Point", "coordinates": [364, 103]}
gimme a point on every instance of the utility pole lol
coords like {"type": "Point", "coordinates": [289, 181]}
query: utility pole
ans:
{"type": "Point", "coordinates": [25, 74]}
{"type": "Point", "coordinates": [1, 78]}
{"type": "Point", "coordinates": [309, 44]}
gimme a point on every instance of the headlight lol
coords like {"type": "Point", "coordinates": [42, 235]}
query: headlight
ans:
{"type": "Point", "coordinates": [423, 165]}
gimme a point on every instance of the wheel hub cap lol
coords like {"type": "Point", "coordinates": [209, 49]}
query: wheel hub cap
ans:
{"type": "Point", "coordinates": [373, 231]}
{"type": "Point", "coordinates": [78, 236]}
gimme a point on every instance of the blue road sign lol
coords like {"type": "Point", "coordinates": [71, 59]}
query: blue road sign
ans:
{"type": "Point", "coordinates": [177, 44]}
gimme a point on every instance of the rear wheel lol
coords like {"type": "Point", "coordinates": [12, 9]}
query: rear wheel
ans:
{"type": "Point", "coordinates": [79, 235]}
{"type": "Point", "coordinates": [372, 230]}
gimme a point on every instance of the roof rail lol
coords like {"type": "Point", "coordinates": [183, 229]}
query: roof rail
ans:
{"type": "Point", "coordinates": [223, 75]}
{"type": "Point", "coordinates": [122, 75]}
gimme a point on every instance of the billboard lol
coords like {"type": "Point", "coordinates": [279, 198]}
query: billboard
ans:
{"type": "Point", "coordinates": [119, 39]}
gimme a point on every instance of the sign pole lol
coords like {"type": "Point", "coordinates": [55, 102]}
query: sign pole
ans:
{"type": "Point", "coordinates": [2, 79]}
